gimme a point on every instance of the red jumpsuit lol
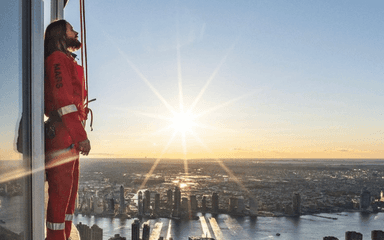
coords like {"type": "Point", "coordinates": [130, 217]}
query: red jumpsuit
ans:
{"type": "Point", "coordinates": [64, 91]}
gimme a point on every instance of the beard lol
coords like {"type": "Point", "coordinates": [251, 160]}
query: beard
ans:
{"type": "Point", "coordinates": [73, 44]}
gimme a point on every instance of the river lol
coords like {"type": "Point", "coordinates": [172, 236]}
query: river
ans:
{"type": "Point", "coordinates": [223, 226]}
{"type": "Point", "coordinates": [302, 228]}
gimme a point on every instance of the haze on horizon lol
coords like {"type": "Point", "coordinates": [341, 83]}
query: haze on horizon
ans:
{"type": "Point", "coordinates": [234, 79]}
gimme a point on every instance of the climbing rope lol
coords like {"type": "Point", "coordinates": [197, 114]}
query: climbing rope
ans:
{"type": "Point", "coordinates": [84, 58]}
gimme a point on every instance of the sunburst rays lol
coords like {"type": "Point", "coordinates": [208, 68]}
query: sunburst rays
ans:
{"type": "Point", "coordinates": [23, 172]}
{"type": "Point", "coordinates": [183, 131]}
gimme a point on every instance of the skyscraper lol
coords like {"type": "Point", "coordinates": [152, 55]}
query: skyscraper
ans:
{"type": "Point", "coordinates": [116, 237]}
{"type": "Point", "coordinates": [90, 233]}
{"type": "Point", "coordinates": [157, 202]}
{"type": "Point", "coordinates": [97, 233]}
{"type": "Point", "coordinates": [90, 204]}
{"type": "Point", "coordinates": [193, 202]}
{"type": "Point", "coordinates": [232, 204]}
{"type": "Point", "coordinates": [377, 235]}
{"type": "Point", "coordinates": [204, 204]}
{"type": "Point", "coordinates": [122, 200]}
{"type": "Point", "coordinates": [135, 230]}
{"type": "Point", "coordinates": [184, 204]}
{"type": "Point", "coordinates": [253, 208]}
{"type": "Point", "coordinates": [296, 204]}
{"type": "Point", "coordinates": [169, 199]}
{"type": "Point", "coordinates": [147, 201]}
{"type": "Point", "coordinates": [353, 235]}
{"type": "Point", "coordinates": [140, 204]}
{"type": "Point", "coordinates": [365, 199]}
{"type": "Point", "coordinates": [177, 199]}
{"type": "Point", "coordinates": [111, 204]}
{"type": "Point", "coordinates": [146, 230]}
{"type": "Point", "coordinates": [215, 203]}
{"type": "Point", "coordinates": [240, 205]}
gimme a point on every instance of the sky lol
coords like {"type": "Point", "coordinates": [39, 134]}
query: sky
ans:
{"type": "Point", "coordinates": [222, 79]}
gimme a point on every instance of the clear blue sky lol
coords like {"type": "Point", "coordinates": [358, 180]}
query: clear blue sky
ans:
{"type": "Point", "coordinates": [281, 78]}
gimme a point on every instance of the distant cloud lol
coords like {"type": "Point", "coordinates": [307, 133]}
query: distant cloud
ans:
{"type": "Point", "coordinates": [102, 154]}
{"type": "Point", "coordinates": [344, 150]}
{"type": "Point", "coordinates": [238, 149]}
{"type": "Point", "coordinates": [350, 150]}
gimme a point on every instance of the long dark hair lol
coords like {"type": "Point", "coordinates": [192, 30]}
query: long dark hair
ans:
{"type": "Point", "coordinates": [56, 38]}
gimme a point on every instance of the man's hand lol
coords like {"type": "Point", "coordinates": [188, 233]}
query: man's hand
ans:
{"type": "Point", "coordinates": [85, 147]}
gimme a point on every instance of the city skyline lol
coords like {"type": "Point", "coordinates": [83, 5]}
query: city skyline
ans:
{"type": "Point", "coordinates": [261, 80]}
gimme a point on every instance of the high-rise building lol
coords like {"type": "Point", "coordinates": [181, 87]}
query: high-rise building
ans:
{"type": "Point", "coordinates": [296, 204]}
{"type": "Point", "coordinates": [193, 202]}
{"type": "Point", "coordinates": [169, 199]}
{"type": "Point", "coordinates": [111, 205]}
{"type": "Point", "coordinates": [215, 203]}
{"type": "Point", "coordinates": [377, 235]}
{"type": "Point", "coordinates": [135, 230]}
{"type": "Point", "coordinates": [253, 208]}
{"type": "Point", "coordinates": [177, 199]}
{"type": "Point", "coordinates": [93, 203]}
{"type": "Point", "coordinates": [365, 199]}
{"type": "Point", "coordinates": [96, 232]}
{"type": "Point", "coordinates": [90, 204]}
{"type": "Point", "coordinates": [184, 204]}
{"type": "Point", "coordinates": [140, 204]}
{"type": "Point", "coordinates": [232, 204]}
{"type": "Point", "coordinates": [116, 237]}
{"type": "Point", "coordinates": [157, 202]}
{"type": "Point", "coordinates": [147, 201]}
{"type": "Point", "coordinates": [204, 204]}
{"type": "Point", "coordinates": [240, 205]}
{"type": "Point", "coordinates": [122, 200]}
{"type": "Point", "coordinates": [145, 208]}
{"type": "Point", "coordinates": [353, 236]}
{"type": "Point", "coordinates": [98, 205]}
{"type": "Point", "coordinates": [89, 233]}
{"type": "Point", "coordinates": [84, 231]}
{"type": "Point", "coordinates": [146, 230]}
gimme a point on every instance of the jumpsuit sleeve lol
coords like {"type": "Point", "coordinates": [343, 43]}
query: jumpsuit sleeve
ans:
{"type": "Point", "coordinates": [58, 73]}
{"type": "Point", "coordinates": [82, 108]}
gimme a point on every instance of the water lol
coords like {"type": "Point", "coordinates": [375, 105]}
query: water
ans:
{"type": "Point", "coordinates": [223, 226]}
{"type": "Point", "coordinates": [303, 228]}
{"type": "Point", "coordinates": [11, 212]}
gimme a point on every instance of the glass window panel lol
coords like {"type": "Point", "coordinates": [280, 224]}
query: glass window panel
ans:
{"type": "Point", "coordinates": [12, 167]}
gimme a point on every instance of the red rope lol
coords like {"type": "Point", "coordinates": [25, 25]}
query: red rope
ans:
{"type": "Point", "coordinates": [85, 53]}
{"type": "Point", "coordinates": [82, 39]}
{"type": "Point", "coordinates": [84, 58]}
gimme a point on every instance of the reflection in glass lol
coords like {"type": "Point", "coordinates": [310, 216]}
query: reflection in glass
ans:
{"type": "Point", "coordinates": [12, 168]}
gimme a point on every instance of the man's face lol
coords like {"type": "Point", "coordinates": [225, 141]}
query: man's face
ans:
{"type": "Point", "coordinates": [73, 43]}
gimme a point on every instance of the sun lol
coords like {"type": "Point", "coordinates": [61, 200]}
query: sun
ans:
{"type": "Point", "coordinates": [183, 121]}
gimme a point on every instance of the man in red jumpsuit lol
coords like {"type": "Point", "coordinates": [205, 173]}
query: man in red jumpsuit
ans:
{"type": "Point", "coordinates": [66, 137]}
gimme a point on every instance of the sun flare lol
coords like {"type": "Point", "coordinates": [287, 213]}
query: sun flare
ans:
{"type": "Point", "coordinates": [183, 122]}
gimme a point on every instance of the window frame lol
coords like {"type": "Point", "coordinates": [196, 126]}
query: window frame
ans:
{"type": "Point", "coordinates": [32, 74]}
